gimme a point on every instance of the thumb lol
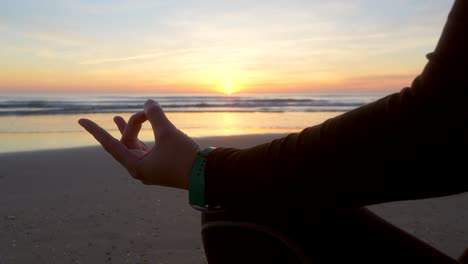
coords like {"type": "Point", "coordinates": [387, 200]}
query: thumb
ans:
{"type": "Point", "coordinates": [156, 116]}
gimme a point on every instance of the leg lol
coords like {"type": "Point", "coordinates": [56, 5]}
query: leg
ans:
{"type": "Point", "coordinates": [354, 236]}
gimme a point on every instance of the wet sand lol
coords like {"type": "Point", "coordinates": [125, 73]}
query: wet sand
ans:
{"type": "Point", "coordinates": [80, 206]}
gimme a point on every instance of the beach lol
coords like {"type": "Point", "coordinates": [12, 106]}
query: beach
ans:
{"type": "Point", "coordinates": [80, 206]}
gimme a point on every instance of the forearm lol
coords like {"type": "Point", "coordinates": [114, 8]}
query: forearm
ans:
{"type": "Point", "coordinates": [398, 148]}
{"type": "Point", "coordinates": [374, 154]}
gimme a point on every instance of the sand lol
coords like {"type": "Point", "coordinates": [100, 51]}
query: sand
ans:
{"type": "Point", "coordinates": [80, 206]}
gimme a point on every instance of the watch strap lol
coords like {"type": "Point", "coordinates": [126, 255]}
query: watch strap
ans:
{"type": "Point", "coordinates": [197, 180]}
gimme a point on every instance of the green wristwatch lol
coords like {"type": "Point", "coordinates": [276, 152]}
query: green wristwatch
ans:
{"type": "Point", "coordinates": [197, 183]}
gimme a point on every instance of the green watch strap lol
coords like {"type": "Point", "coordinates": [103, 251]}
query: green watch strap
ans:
{"type": "Point", "coordinates": [197, 180]}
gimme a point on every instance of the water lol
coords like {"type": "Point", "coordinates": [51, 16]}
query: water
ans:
{"type": "Point", "coordinates": [84, 104]}
{"type": "Point", "coordinates": [37, 122]}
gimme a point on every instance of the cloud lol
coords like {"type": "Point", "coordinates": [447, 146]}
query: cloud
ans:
{"type": "Point", "coordinates": [140, 57]}
{"type": "Point", "coordinates": [123, 59]}
{"type": "Point", "coordinates": [59, 38]}
{"type": "Point", "coordinates": [379, 82]}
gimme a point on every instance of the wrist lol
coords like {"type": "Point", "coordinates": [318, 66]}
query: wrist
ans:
{"type": "Point", "coordinates": [197, 182]}
{"type": "Point", "coordinates": [186, 171]}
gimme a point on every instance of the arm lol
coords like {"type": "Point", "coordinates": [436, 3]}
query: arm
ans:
{"type": "Point", "coordinates": [401, 147]}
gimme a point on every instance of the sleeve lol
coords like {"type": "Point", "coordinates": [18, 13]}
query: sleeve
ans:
{"type": "Point", "coordinates": [408, 145]}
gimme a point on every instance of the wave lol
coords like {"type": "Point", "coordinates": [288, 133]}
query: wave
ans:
{"type": "Point", "coordinates": [126, 104]}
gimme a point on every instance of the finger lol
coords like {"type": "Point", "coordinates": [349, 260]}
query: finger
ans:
{"type": "Point", "coordinates": [130, 134]}
{"type": "Point", "coordinates": [144, 146]}
{"type": "Point", "coordinates": [133, 127]}
{"type": "Point", "coordinates": [157, 118]}
{"type": "Point", "coordinates": [121, 124]}
{"type": "Point", "coordinates": [108, 142]}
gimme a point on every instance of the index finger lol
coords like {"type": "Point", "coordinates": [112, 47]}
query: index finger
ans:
{"type": "Point", "coordinates": [108, 142]}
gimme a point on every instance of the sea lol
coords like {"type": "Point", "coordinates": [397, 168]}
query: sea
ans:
{"type": "Point", "coordinates": [31, 122]}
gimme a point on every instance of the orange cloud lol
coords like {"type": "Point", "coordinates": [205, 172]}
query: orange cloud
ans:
{"type": "Point", "coordinates": [380, 82]}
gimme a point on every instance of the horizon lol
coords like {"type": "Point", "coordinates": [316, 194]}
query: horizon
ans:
{"type": "Point", "coordinates": [192, 93]}
{"type": "Point", "coordinates": [121, 47]}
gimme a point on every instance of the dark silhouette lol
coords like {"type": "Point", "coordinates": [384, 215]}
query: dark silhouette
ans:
{"type": "Point", "coordinates": [301, 198]}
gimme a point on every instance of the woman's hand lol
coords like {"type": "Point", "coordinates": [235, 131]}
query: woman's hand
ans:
{"type": "Point", "coordinates": [168, 163]}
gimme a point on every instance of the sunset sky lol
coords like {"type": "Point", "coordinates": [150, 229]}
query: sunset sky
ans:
{"type": "Point", "coordinates": [208, 46]}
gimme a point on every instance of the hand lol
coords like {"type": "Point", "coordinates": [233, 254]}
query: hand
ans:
{"type": "Point", "coordinates": [168, 163]}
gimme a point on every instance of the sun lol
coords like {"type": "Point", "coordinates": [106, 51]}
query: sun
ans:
{"type": "Point", "coordinates": [229, 87]}
{"type": "Point", "coordinates": [228, 90]}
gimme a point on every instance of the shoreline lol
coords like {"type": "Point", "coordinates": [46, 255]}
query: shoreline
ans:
{"type": "Point", "coordinates": [237, 141]}
{"type": "Point", "coordinates": [28, 133]}
{"type": "Point", "coordinates": [79, 205]}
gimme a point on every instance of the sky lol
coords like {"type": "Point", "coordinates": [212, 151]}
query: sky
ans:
{"type": "Point", "coordinates": [122, 46]}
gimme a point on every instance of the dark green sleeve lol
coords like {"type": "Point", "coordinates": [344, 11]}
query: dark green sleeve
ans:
{"type": "Point", "coordinates": [408, 145]}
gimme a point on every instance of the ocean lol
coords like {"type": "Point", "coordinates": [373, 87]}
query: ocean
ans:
{"type": "Point", "coordinates": [49, 121]}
